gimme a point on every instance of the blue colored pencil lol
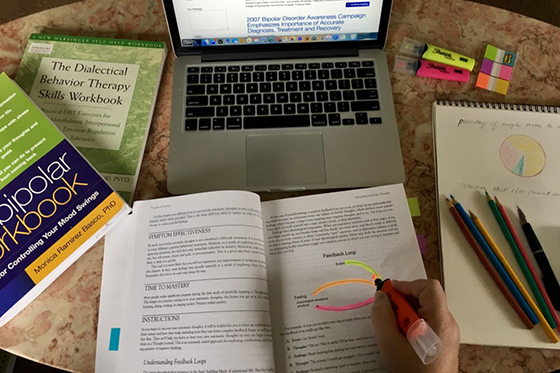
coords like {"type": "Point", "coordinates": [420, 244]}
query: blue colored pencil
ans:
{"type": "Point", "coordinates": [499, 268]}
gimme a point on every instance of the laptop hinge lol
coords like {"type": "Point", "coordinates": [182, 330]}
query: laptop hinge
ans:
{"type": "Point", "coordinates": [342, 52]}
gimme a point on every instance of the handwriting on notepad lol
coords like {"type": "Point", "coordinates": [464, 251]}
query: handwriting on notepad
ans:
{"type": "Point", "coordinates": [508, 190]}
{"type": "Point", "coordinates": [497, 125]}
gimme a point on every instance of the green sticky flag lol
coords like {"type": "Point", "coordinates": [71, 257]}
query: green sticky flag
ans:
{"type": "Point", "coordinates": [414, 207]}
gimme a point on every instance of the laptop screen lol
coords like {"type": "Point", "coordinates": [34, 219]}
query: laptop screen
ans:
{"type": "Point", "coordinates": [212, 23]}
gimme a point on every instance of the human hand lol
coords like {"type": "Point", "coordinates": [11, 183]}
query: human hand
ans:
{"type": "Point", "coordinates": [397, 353]}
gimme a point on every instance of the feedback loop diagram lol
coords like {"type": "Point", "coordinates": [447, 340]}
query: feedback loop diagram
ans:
{"type": "Point", "coordinates": [349, 281]}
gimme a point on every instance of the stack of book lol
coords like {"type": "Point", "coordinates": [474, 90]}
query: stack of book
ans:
{"type": "Point", "coordinates": [70, 153]}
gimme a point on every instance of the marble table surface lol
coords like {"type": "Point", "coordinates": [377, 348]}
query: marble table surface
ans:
{"type": "Point", "coordinates": [60, 327]}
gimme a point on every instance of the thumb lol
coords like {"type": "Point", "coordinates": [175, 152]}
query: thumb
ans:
{"type": "Point", "coordinates": [382, 317]}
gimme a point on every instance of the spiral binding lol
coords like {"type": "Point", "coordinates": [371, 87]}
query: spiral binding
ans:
{"type": "Point", "coordinates": [501, 106]}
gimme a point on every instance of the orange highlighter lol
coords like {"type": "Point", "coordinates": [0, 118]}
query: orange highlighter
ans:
{"type": "Point", "coordinates": [422, 338]}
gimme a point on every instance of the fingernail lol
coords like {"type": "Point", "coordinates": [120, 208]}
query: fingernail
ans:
{"type": "Point", "coordinates": [379, 295]}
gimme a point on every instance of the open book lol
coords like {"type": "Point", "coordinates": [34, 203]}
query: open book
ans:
{"type": "Point", "coordinates": [220, 282]}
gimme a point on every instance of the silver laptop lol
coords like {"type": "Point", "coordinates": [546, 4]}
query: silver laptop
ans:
{"type": "Point", "coordinates": [271, 95]}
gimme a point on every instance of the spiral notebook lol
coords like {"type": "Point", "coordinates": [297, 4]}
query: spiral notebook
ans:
{"type": "Point", "coordinates": [513, 152]}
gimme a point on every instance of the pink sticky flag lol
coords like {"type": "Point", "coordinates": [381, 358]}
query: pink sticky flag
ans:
{"type": "Point", "coordinates": [422, 243]}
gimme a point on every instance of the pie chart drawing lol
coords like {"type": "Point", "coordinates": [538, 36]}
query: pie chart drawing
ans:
{"type": "Point", "coordinates": [522, 156]}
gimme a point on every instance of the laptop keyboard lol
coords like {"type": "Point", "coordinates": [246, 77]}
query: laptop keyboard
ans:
{"type": "Point", "coordinates": [260, 96]}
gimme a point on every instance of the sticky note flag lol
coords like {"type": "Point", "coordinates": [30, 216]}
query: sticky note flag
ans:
{"type": "Point", "coordinates": [422, 244]}
{"type": "Point", "coordinates": [500, 56]}
{"type": "Point", "coordinates": [414, 207]}
{"type": "Point", "coordinates": [114, 339]}
{"type": "Point", "coordinates": [492, 84]}
{"type": "Point", "coordinates": [496, 70]}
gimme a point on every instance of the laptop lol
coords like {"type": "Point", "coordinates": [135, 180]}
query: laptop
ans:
{"type": "Point", "coordinates": [274, 95]}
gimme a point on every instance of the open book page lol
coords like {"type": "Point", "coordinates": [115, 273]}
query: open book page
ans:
{"type": "Point", "coordinates": [198, 300]}
{"type": "Point", "coordinates": [317, 240]}
{"type": "Point", "coordinates": [514, 155]}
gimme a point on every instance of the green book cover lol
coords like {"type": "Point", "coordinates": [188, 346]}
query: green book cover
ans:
{"type": "Point", "coordinates": [100, 93]}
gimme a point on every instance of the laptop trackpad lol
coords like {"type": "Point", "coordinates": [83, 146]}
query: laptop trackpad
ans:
{"type": "Point", "coordinates": [285, 160]}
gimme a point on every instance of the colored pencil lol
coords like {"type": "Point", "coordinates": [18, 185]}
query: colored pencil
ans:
{"type": "Point", "coordinates": [532, 269]}
{"type": "Point", "coordinates": [488, 266]}
{"type": "Point", "coordinates": [547, 329]}
{"type": "Point", "coordinates": [521, 261]}
{"type": "Point", "coordinates": [549, 279]}
{"type": "Point", "coordinates": [497, 265]}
